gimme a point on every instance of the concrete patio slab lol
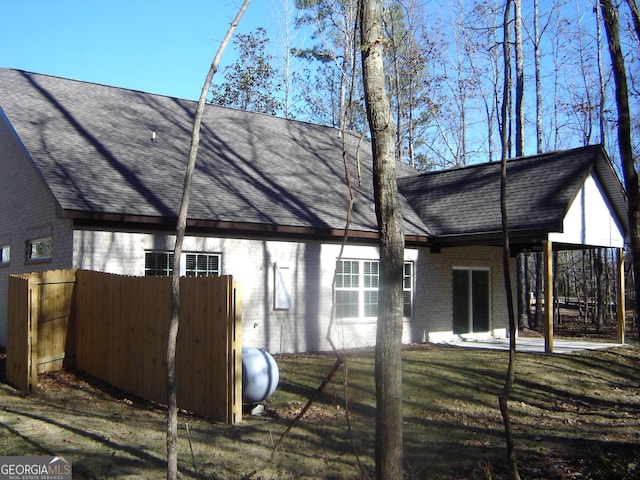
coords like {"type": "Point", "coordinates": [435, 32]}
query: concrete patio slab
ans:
{"type": "Point", "coordinates": [535, 345]}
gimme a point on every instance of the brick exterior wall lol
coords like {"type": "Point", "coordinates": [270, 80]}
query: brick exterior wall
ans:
{"type": "Point", "coordinates": [304, 326]}
{"type": "Point", "coordinates": [27, 212]}
{"type": "Point", "coordinates": [435, 295]}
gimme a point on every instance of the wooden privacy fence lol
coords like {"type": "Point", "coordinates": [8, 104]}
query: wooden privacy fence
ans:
{"type": "Point", "coordinates": [121, 331]}
{"type": "Point", "coordinates": [40, 325]}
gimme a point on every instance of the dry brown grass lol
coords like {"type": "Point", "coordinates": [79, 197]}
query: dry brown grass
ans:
{"type": "Point", "coordinates": [575, 417]}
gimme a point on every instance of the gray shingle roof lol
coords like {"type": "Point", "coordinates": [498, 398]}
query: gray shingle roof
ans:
{"type": "Point", "coordinates": [92, 145]}
{"type": "Point", "coordinates": [465, 202]}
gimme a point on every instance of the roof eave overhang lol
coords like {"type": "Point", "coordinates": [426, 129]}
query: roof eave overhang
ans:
{"type": "Point", "coordinates": [519, 240]}
{"type": "Point", "coordinates": [136, 223]}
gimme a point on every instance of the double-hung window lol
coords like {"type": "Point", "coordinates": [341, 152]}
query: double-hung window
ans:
{"type": "Point", "coordinates": [158, 264]}
{"type": "Point", "coordinates": [191, 264]}
{"type": "Point", "coordinates": [357, 283]}
{"type": "Point", "coordinates": [202, 264]}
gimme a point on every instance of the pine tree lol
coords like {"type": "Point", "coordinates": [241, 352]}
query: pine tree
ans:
{"type": "Point", "coordinates": [250, 83]}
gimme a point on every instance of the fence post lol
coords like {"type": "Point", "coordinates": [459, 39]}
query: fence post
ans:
{"type": "Point", "coordinates": [32, 333]}
{"type": "Point", "coordinates": [18, 344]}
{"type": "Point", "coordinates": [235, 360]}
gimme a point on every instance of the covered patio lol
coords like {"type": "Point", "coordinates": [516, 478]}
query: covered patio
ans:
{"type": "Point", "coordinates": [565, 200]}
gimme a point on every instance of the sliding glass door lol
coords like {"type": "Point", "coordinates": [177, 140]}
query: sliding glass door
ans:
{"type": "Point", "coordinates": [471, 301]}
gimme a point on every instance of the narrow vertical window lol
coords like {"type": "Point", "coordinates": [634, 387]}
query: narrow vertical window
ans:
{"type": "Point", "coordinates": [347, 289]}
{"type": "Point", "coordinates": [283, 286]}
{"type": "Point", "coordinates": [5, 254]}
{"type": "Point", "coordinates": [371, 283]}
{"type": "Point", "coordinates": [407, 290]}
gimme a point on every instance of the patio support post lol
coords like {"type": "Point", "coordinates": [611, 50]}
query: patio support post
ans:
{"type": "Point", "coordinates": [547, 254]}
{"type": "Point", "coordinates": [620, 306]}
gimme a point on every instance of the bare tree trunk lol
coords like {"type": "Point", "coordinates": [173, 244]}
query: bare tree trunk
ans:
{"type": "Point", "coordinates": [519, 81]}
{"type": "Point", "coordinates": [601, 80]}
{"type": "Point", "coordinates": [503, 398]}
{"type": "Point", "coordinates": [521, 279]}
{"type": "Point", "coordinates": [388, 352]}
{"type": "Point", "coordinates": [519, 141]}
{"type": "Point", "coordinates": [536, 41]}
{"type": "Point", "coordinates": [537, 256]}
{"type": "Point", "coordinates": [610, 16]}
{"type": "Point", "coordinates": [539, 274]}
{"type": "Point", "coordinates": [284, 11]}
{"type": "Point", "coordinates": [600, 306]}
{"type": "Point", "coordinates": [635, 16]}
{"type": "Point", "coordinates": [172, 404]}
{"type": "Point", "coordinates": [556, 86]}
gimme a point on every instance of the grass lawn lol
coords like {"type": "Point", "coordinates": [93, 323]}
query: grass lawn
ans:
{"type": "Point", "coordinates": [575, 416]}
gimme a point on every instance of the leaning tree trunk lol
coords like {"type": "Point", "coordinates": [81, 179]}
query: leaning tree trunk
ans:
{"type": "Point", "coordinates": [503, 397]}
{"type": "Point", "coordinates": [388, 360]}
{"type": "Point", "coordinates": [172, 403]}
{"type": "Point", "coordinates": [610, 16]}
{"type": "Point", "coordinates": [522, 295]}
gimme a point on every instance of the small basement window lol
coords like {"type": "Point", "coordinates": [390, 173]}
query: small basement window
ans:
{"type": "Point", "coordinates": [39, 248]}
{"type": "Point", "coordinates": [5, 254]}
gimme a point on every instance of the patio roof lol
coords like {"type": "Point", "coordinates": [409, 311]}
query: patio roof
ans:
{"type": "Point", "coordinates": [462, 205]}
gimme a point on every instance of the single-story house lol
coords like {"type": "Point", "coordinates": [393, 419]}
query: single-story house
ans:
{"type": "Point", "coordinates": [92, 178]}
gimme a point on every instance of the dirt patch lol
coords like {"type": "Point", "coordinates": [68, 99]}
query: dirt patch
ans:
{"type": "Point", "coordinates": [576, 416]}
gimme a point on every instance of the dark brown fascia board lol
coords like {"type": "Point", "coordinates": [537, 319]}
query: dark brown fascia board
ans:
{"type": "Point", "coordinates": [520, 238]}
{"type": "Point", "coordinates": [136, 223]}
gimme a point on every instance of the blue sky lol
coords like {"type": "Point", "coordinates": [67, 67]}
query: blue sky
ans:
{"type": "Point", "coordinates": [162, 46]}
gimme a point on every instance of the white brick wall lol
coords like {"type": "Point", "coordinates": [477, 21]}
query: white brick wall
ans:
{"type": "Point", "coordinates": [435, 299]}
{"type": "Point", "coordinates": [27, 211]}
{"type": "Point", "coordinates": [304, 326]}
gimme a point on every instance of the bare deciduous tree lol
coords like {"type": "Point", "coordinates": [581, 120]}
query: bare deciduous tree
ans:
{"type": "Point", "coordinates": [174, 323]}
{"type": "Point", "coordinates": [388, 351]}
{"type": "Point", "coordinates": [503, 397]}
{"type": "Point", "coordinates": [611, 23]}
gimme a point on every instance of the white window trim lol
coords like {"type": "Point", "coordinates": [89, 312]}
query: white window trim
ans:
{"type": "Point", "coordinates": [283, 283]}
{"type": "Point", "coordinates": [183, 259]}
{"type": "Point", "coordinates": [29, 249]}
{"type": "Point", "coordinates": [361, 289]}
{"type": "Point", "coordinates": [5, 254]}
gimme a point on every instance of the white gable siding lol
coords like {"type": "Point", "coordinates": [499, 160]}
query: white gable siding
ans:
{"type": "Point", "coordinates": [589, 220]}
{"type": "Point", "coordinates": [27, 212]}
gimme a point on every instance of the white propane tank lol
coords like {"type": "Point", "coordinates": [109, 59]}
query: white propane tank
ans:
{"type": "Point", "coordinates": [260, 375]}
